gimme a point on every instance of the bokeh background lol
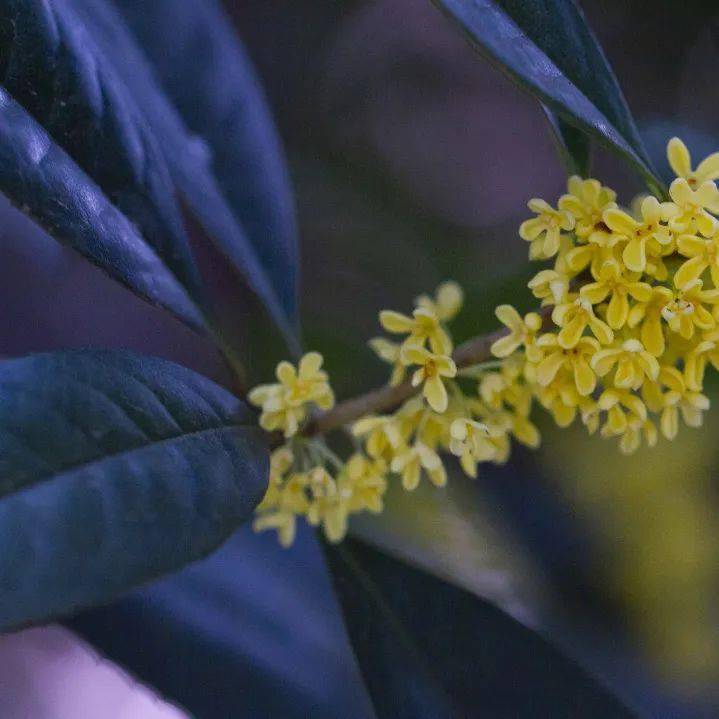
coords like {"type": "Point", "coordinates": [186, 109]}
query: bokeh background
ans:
{"type": "Point", "coordinates": [412, 160]}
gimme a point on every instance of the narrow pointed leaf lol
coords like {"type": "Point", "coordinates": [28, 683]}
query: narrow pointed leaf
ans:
{"type": "Point", "coordinates": [428, 649]}
{"type": "Point", "coordinates": [216, 131]}
{"type": "Point", "coordinates": [547, 47]}
{"type": "Point", "coordinates": [114, 469]}
{"type": "Point", "coordinates": [573, 145]}
{"type": "Point", "coordinates": [40, 178]}
{"type": "Point", "coordinates": [222, 101]}
{"type": "Point", "coordinates": [51, 65]}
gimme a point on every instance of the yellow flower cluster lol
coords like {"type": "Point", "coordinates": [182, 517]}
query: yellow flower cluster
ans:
{"type": "Point", "coordinates": [307, 479]}
{"type": "Point", "coordinates": [629, 320]}
{"type": "Point", "coordinates": [632, 301]}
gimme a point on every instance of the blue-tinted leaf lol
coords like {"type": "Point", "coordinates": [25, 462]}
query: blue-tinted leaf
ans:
{"type": "Point", "coordinates": [573, 145]}
{"type": "Point", "coordinates": [39, 177]}
{"type": "Point", "coordinates": [114, 469]}
{"type": "Point", "coordinates": [51, 65]}
{"type": "Point", "coordinates": [252, 631]}
{"type": "Point", "coordinates": [221, 100]}
{"type": "Point", "coordinates": [228, 164]}
{"type": "Point", "coordinates": [428, 649]}
{"type": "Point", "coordinates": [548, 48]}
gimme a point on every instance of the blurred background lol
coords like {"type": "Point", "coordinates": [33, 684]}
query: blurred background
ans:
{"type": "Point", "coordinates": [412, 160]}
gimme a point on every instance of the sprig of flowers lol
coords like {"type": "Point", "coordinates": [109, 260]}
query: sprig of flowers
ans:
{"type": "Point", "coordinates": [630, 324]}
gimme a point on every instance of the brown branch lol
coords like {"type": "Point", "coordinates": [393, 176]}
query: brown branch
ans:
{"type": "Point", "coordinates": [385, 399]}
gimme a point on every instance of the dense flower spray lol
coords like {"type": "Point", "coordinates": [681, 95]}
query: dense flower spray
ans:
{"type": "Point", "coordinates": [627, 325]}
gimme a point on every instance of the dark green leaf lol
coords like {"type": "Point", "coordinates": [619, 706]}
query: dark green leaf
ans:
{"type": "Point", "coordinates": [547, 47]}
{"type": "Point", "coordinates": [40, 178]}
{"type": "Point", "coordinates": [114, 469]}
{"type": "Point", "coordinates": [429, 650]}
{"type": "Point", "coordinates": [229, 164]}
{"type": "Point", "coordinates": [573, 145]}
{"type": "Point", "coordinates": [51, 65]}
{"type": "Point", "coordinates": [253, 632]}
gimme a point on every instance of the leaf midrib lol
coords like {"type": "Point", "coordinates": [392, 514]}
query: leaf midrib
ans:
{"type": "Point", "coordinates": [85, 465]}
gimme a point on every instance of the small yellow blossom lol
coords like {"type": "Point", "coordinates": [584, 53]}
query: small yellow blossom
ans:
{"type": "Point", "coordinates": [284, 404]}
{"type": "Point", "coordinates": [576, 315]}
{"type": "Point", "coordinates": [626, 419]}
{"type": "Point", "coordinates": [561, 398]}
{"type": "Point", "coordinates": [639, 234]}
{"type": "Point", "coordinates": [550, 286]}
{"type": "Point", "coordinates": [618, 286]}
{"type": "Point", "coordinates": [281, 461]}
{"type": "Point", "coordinates": [284, 522]}
{"type": "Point", "coordinates": [695, 361]}
{"type": "Point", "coordinates": [363, 483]}
{"type": "Point", "coordinates": [475, 442]}
{"type": "Point", "coordinates": [592, 255]}
{"type": "Point", "coordinates": [390, 352]}
{"type": "Point", "coordinates": [286, 499]}
{"type": "Point", "coordinates": [686, 311]}
{"type": "Point", "coordinates": [692, 207]}
{"type": "Point", "coordinates": [586, 200]}
{"type": "Point", "coordinates": [681, 162]}
{"type": "Point", "coordinates": [543, 232]}
{"type": "Point", "coordinates": [446, 303]}
{"type": "Point", "coordinates": [522, 332]}
{"type": "Point", "coordinates": [432, 368]}
{"type": "Point", "coordinates": [576, 359]}
{"type": "Point", "coordinates": [329, 508]}
{"type": "Point", "coordinates": [635, 431]}
{"type": "Point", "coordinates": [703, 254]}
{"type": "Point", "coordinates": [382, 434]}
{"type": "Point", "coordinates": [423, 326]}
{"type": "Point", "coordinates": [632, 361]}
{"type": "Point", "coordinates": [648, 317]}
{"type": "Point", "coordinates": [411, 461]}
{"type": "Point", "coordinates": [679, 398]}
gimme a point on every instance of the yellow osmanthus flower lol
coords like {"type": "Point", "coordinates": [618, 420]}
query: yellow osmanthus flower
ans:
{"type": "Point", "coordinates": [626, 419]}
{"type": "Point", "coordinates": [633, 364]}
{"type": "Point", "coordinates": [383, 436]}
{"type": "Point", "coordinates": [363, 482]}
{"type": "Point", "coordinates": [413, 460]}
{"type": "Point", "coordinates": [432, 369]}
{"type": "Point", "coordinates": [703, 254]}
{"type": "Point", "coordinates": [647, 317]}
{"type": "Point", "coordinates": [543, 232]}
{"type": "Point", "coordinates": [679, 399]}
{"type": "Point", "coordinates": [685, 311]}
{"type": "Point", "coordinates": [576, 359]}
{"type": "Point", "coordinates": [446, 303]}
{"type": "Point", "coordinates": [522, 332]}
{"type": "Point", "coordinates": [550, 286]}
{"type": "Point", "coordinates": [576, 315]}
{"type": "Point", "coordinates": [681, 162]}
{"type": "Point", "coordinates": [619, 286]}
{"type": "Point", "coordinates": [693, 207]}
{"type": "Point", "coordinates": [475, 442]}
{"type": "Point", "coordinates": [285, 499]}
{"type": "Point", "coordinates": [329, 507]}
{"type": "Point", "coordinates": [695, 362]}
{"type": "Point", "coordinates": [586, 201]}
{"type": "Point", "coordinates": [630, 327]}
{"type": "Point", "coordinates": [642, 236]}
{"type": "Point", "coordinates": [284, 404]}
{"type": "Point", "coordinates": [423, 326]}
